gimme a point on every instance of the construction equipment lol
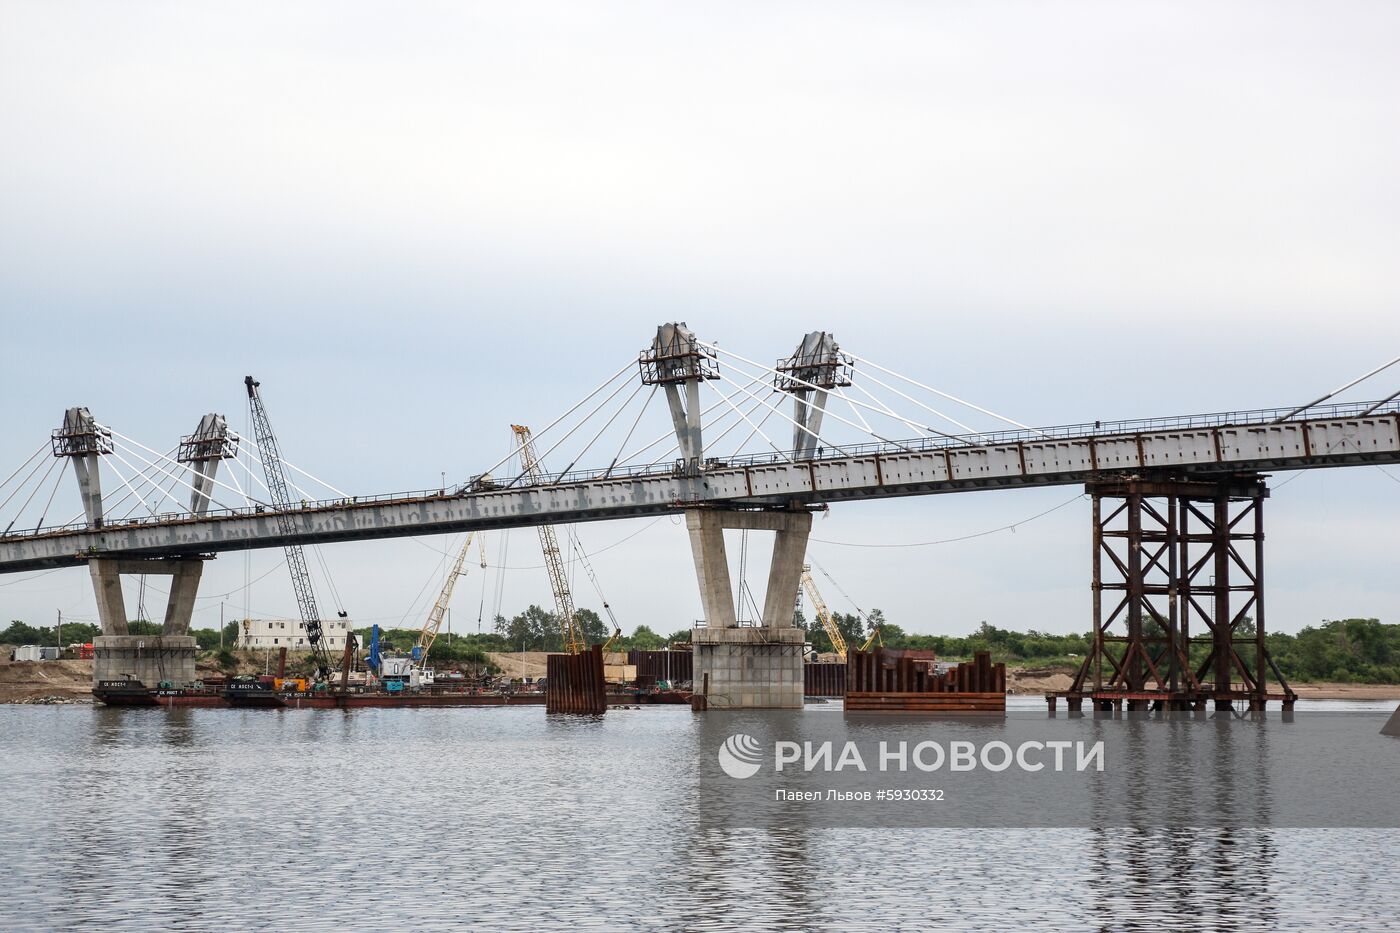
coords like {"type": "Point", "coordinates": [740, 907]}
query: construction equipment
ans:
{"type": "Point", "coordinates": [823, 614]}
{"type": "Point", "coordinates": [549, 544]}
{"type": "Point", "coordinates": [430, 628]}
{"type": "Point", "coordinates": [287, 526]}
{"type": "Point", "coordinates": [347, 661]}
{"type": "Point", "coordinates": [874, 637]}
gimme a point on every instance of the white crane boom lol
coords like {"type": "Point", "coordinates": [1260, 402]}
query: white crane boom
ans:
{"type": "Point", "coordinates": [439, 610]}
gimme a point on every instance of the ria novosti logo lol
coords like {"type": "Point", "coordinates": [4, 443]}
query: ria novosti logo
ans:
{"type": "Point", "coordinates": [740, 755]}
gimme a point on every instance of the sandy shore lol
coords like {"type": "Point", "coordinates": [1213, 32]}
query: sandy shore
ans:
{"type": "Point", "coordinates": [1039, 681]}
{"type": "Point", "coordinates": [71, 681]}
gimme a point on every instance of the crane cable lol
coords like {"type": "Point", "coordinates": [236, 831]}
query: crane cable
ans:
{"type": "Point", "coordinates": [592, 576]}
{"type": "Point", "coordinates": [860, 613]}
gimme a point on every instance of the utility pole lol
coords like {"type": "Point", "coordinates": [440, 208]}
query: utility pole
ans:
{"type": "Point", "coordinates": [222, 603]}
{"type": "Point", "coordinates": [60, 630]}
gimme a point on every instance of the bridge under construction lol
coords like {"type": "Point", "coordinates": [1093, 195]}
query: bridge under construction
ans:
{"type": "Point", "coordinates": [1177, 507]}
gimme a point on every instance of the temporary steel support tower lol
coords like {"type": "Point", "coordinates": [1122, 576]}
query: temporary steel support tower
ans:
{"type": "Point", "coordinates": [1168, 553]}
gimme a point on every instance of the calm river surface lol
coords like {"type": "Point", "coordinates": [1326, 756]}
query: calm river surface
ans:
{"type": "Point", "coordinates": [504, 819]}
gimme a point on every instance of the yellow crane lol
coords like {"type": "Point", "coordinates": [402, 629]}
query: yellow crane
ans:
{"type": "Point", "coordinates": [430, 628]}
{"type": "Point", "coordinates": [549, 544]}
{"type": "Point", "coordinates": [823, 614]}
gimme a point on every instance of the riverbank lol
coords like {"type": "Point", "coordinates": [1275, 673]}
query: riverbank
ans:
{"type": "Point", "coordinates": [1038, 681]}
{"type": "Point", "coordinates": [71, 681]}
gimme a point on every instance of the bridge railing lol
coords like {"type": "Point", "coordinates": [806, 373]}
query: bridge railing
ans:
{"type": "Point", "coordinates": [482, 484]}
{"type": "Point", "coordinates": [995, 438]}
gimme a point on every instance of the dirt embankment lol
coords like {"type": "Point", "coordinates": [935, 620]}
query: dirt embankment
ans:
{"type": "Point", "coordinates": [45, 681]}
{"type": "Point", "coordinates": [1038, 680]}
{"type": "Point", "coordinates": [1042, 680]}
{"type": "Point", "coordinates": [532, 664]}
{"type": "Point", "coordinates": [1347, 691]}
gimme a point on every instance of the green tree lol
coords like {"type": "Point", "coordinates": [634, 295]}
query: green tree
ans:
{"type": "Point", "coordinates": [644, 639]}
{"type": "Point", "coordinates": [851, 627]}
{"type": "Point", "coordinates": [535, 629]}
{"type": "Point", "coordinates": [593, 629]}
{"type": "Point", "coordinates": [20, 633]}
{"type": "Point", "coordinates": [891, 634]}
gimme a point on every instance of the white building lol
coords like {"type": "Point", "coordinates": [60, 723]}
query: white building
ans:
{"type": "Point", "coordinates": [291, 633]}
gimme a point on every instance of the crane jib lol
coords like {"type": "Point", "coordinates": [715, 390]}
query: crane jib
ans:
{"type": "Point", "coordinates": [286, 523]}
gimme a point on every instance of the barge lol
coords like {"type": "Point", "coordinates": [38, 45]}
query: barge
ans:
{"type": "Point", "coordinates": [264, 694]}
{"type": "Point", "coordinates": [269, 693]}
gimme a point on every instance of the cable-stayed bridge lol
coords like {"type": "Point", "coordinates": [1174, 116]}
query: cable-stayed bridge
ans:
{"type": "Point", "coordinates": [847, 428]}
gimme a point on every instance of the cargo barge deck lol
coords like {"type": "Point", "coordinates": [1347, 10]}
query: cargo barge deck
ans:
{"type": "Point", "coordinates": [133, 693]}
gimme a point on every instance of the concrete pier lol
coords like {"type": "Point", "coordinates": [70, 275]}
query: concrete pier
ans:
{"type": "Point", "coordinates": [758, 667]}
{"type": "Point", "coordinates": [150, 659]}
{"type": "Point", "coordinates": [749, 668]}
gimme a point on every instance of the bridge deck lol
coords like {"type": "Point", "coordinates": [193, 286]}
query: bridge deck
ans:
{"type": "Point", "coordinates": [1335, 436]}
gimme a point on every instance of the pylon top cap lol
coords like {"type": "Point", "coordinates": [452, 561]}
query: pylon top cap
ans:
{"type": "Point", "coordinates": [676, 355]}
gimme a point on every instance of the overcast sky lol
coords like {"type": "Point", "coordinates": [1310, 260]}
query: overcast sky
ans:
{"type": "Point", "coordinates": [419, 222]}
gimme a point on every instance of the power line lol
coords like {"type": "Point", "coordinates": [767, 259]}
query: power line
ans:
{"type": "Point", "coordinates": [981, 534]}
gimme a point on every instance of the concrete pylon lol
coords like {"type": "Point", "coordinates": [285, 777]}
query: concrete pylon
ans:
{"type": "Point", "coordinates": [151, 659]}
{"type": "Point", "coordinates": [1392, 725]}
{"type": "Point", "coordinates": [677, 361]}
{"type": "Point", "coordinates": [211, 442]}
{"type": "Point", "coordinates": [757, 667]}
{"type": "Point", "coordinates": [814, 368]}
{"type": "Point", "coordinates": [82, 441]}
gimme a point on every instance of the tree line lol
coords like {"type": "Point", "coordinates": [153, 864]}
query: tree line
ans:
{"type": "Point", "coordinates": [1341, 650]}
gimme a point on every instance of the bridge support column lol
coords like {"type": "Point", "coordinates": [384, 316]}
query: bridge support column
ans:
{"type": "Point", "coordinates": [151, 659]}
{"type": "Point", "coordinates": [184, 584]}
{"type": "Point", "coordinates": [785, 570]}
{"type": "Point", "coordinates": [711, 567]}
{"type": "Point", "coordinates": [749, 667]}
{"type": "Point", "coordinates": [107, 587]}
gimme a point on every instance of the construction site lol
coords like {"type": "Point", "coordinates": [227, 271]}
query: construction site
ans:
{"type": "Point", "coordinates": [1177, 543]}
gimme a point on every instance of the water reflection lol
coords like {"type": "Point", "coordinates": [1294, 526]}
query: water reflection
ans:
{"type": "Point", "coordinates": [507, 819]}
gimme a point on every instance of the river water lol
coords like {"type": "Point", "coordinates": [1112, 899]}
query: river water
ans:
{"type": "Point", "coordinates": [505, 819]}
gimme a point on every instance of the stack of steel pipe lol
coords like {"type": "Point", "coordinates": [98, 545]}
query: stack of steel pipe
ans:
{"type": "Point", "coordinates": [574, 682]}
